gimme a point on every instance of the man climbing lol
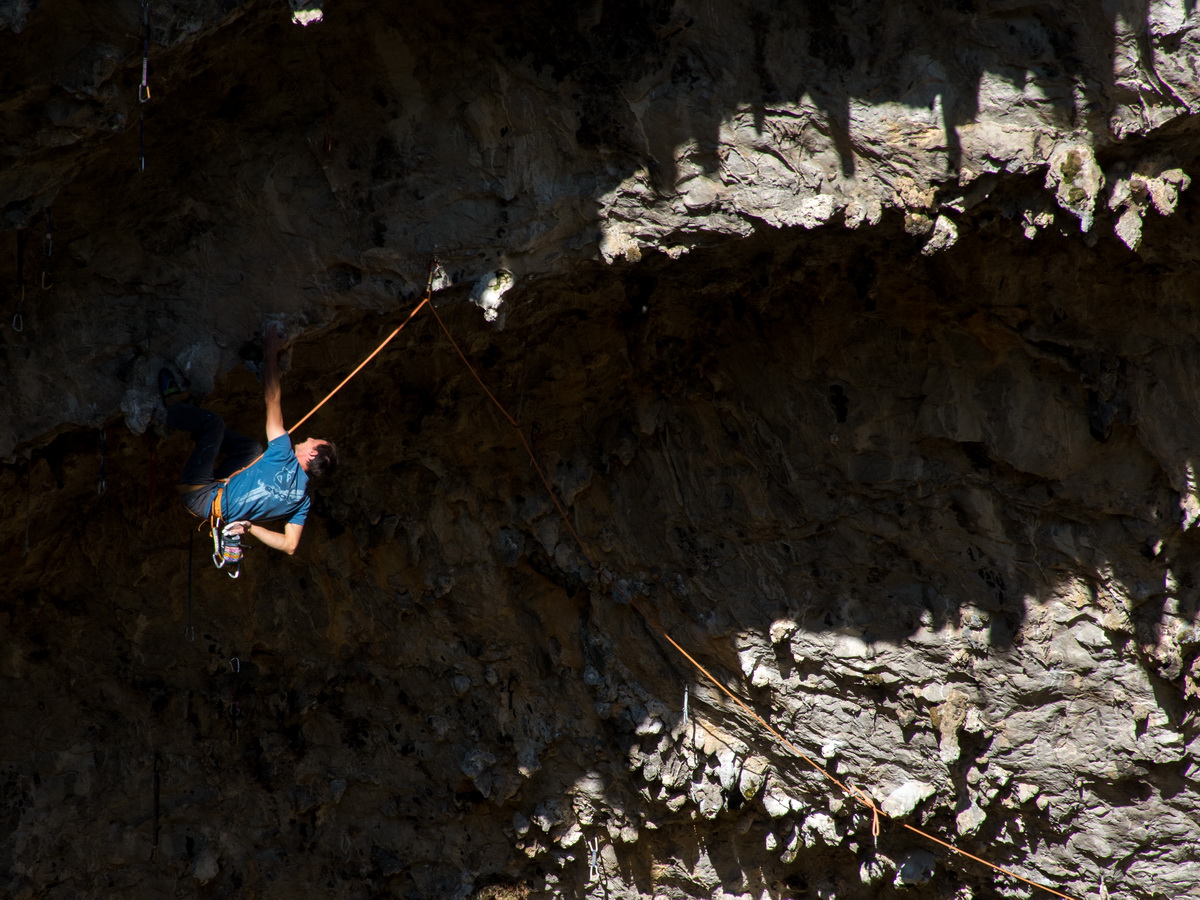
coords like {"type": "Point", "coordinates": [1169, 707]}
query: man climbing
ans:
{"type": "Point", "coordinates": [270, 487]}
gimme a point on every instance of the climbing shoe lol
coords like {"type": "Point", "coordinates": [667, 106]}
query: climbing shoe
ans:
{"type": "Point", "coordinates": [168, 386]}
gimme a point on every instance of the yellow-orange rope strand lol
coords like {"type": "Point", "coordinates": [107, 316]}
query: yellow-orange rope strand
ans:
{"type": "Point", "coordinates": [387, 340]}
{"type": "Point", "coordinates": [521, 434]}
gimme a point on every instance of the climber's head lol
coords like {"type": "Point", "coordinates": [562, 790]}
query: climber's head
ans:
{"type": "Point", "coordinates": [317, 458]}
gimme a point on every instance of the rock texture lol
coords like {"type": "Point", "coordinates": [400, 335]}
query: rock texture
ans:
{"type": "Point", "coordinates": [859, 341]}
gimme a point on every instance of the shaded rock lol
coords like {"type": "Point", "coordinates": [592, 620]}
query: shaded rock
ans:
{"type": "Point", "coordinates": [916, 867]}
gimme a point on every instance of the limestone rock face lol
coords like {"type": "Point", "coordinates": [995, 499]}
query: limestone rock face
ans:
{"type": "Point", "coordinates": [856, 341]}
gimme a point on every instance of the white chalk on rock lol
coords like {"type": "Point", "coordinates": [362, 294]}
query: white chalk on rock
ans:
{"type": "Point", "coordinates": [777, 802]}
{"type": "Point", "coordinates": [1076, 179]}
{"type": "Point", "coordinates": [905, 798]}
{"type": "Point", "coordinates": [810, 212]}
{"type": "Point", "coordinates": [945, 235]}
{"type": "Point", "coordinates": [969, 820]}
{"type": "Point", "coordinates": [488, 293]}
{"type": "Point", "coordinates": [306, 12]}
{"type": "Point", "coordinates": [1026, 791]}
{"type": "Point", "coordinates": [753, 774]}
{"type": "Point", "coordinates": [820, 825]}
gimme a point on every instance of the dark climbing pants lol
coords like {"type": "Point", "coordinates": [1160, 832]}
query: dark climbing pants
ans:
{"type": "Point", "coordinates": [212, 441]}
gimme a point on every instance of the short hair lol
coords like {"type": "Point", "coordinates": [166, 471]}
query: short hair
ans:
{"type": "Point", "coordinates": [324, 463]}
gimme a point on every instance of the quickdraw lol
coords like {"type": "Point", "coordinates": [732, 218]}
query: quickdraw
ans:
{"type": "Point", "coordinates": [594, 864]}
{"type": "Point", "coordinates": [227, 543]}
{"type": "Point", "coordinates": [144, 87]}
{"type": "Point", "coordinates": [227, 546]}
{"type": "Point", "coordinates": [227, 536]}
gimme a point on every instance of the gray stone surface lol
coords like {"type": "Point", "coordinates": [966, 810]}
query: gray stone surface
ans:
{"type": "Point", "coordinates": [858, 339]}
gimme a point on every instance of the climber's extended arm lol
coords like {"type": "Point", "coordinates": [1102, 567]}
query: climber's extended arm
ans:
{"type": "Point", "coordinates": [286, 542]}
{"type": "Point", "coordinates": [272, 393]}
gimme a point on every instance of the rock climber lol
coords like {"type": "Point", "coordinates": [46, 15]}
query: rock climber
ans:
{"type": "Point", "coordinates": [264, 487]}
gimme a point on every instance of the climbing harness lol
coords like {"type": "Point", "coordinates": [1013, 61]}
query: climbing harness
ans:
{"type": "Point", "coordinates": [47, 253]}
{"type": "Point", "coordinates": [101, 485]}
{"type": "Point", "coordinates": [144, 87]}
{"type": "Point", "coordinates": [227, 543]}
{"type": "Point", "coordinates": [18, 320]}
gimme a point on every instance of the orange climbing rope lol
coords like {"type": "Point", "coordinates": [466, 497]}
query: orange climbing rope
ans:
{"type": "Point", "coordinates": [850, 790]}
{"type": "Point", "coordinates": [387, 340]}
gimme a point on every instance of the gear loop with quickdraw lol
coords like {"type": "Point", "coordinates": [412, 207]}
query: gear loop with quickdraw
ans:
{"type": "Point", "coordinates": [227, 546]}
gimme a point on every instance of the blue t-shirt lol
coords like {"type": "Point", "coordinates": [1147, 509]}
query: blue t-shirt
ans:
{"type": "Point", "coordinates": [274, 488]}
